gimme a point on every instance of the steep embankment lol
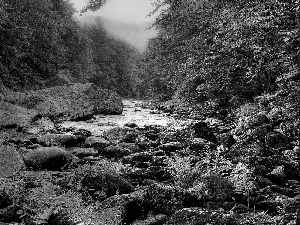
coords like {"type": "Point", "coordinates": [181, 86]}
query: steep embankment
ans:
{"type": "Point", "coordinates": [61, 103]}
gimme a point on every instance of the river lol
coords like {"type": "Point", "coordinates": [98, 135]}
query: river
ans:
{"type": "Point", "coordinates": [132, 113]}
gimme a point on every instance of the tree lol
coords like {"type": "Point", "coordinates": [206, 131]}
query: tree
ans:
{"type": "Point", "coordinates": [220, 49]}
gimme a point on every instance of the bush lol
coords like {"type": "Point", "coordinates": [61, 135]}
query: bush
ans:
{"type": "Point", "coordinates": [181, 171]}
{"type": "Point", "coordinates": [215, 187]}
{"type": "Point", "coordinates": [248, 109]}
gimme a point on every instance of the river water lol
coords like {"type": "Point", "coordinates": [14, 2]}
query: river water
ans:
{"type": "Point", "coordinates": [132, 112]}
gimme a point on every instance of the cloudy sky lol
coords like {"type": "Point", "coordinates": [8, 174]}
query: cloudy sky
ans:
{"type": "Point", "coordinates": [124, 10]}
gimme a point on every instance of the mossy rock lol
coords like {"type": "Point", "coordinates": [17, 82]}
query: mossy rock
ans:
{"type": "Point", "coordinates": [10, 161]}
{"type": "Point", "coordinates": [15, 116]}
{"type": "Point", "coordinates": [68, 102]}
{"type": "Point", "coordinates": [48, 158]}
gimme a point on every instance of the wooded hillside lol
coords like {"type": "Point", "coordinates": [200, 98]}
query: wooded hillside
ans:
{"type": "Point", "coordinates": [226, 52]}
{"type": "Point", "coordinates": [41, 38]}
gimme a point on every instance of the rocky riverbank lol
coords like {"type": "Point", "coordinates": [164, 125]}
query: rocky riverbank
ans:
{"type": "Point", "coordinates": [208, 171]}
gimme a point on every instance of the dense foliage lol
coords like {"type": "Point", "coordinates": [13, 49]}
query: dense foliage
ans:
{"type": "Point", "coordinates": [35, 40]}
{"type": "Point", "coordinates": [41, 38]}
{"type": "Point", "coordinates": [223, 50]}
{"type": "Point", "coordinates": [112, 60]}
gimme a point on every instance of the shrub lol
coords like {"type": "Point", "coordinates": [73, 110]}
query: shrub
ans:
{"type": "Point", "coordinates": [181, 171]}
{"type": "Point", "coordinates": [258, 218]}
{"type": "Point", "coordinates": [248, 109]}
{"type": "Point", "coordinates": [214, 186]}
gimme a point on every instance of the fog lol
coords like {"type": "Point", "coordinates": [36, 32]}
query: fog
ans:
{"type": "Point", "coordinates": [121, 10]}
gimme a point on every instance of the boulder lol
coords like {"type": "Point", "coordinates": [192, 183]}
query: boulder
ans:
{"type": "Point", "coordinates": [277, 114]}
{"type": "Point", "coordinates": [15, 116]}
{"type": "Point", "coordinates": [101, 185]}
{"type": "Point", "coordinates": [5, 199]}
{"type": "Point", "coordinates": [198, 146]}
{"type": "Point", "coordinates": [11, 214]}
{"type": "Point", "coordinates": [277, 140]}
{"type": "Point", "coordinates": [199, 216]}
{"type": "Point", "coordinates": [10, 161]}
{"type": "Point", "coordinates": [168, 199]}
{"type": "Point", "coordinates": [159, 219]}
{"type": "Point", "coordinates": [123, 209]}
{"type": "Point", "coordinates": [59, 216]}
{"type": "Point", "coordinates": [170, 147]}
{"type": "Point", "coordinates": [98, 143]}
{"type": "Point", "coordinates": [131, 146]}
{"type": "Point", "coordinates": [138, 157]}
{"type": "Point", "coordinates": [277, 175]}
{"type": "Point", "coordinates": [131, 125]}
{"type": "Point", "coordinates": [115, 151]}
{"type": "Point", "coordinates": [202, 130]}
{"type": "Point", "coordinates": [226, 139]}
{"type": "Point", "coordinates": [66, 140]}
{"type": "Point", "coordinates": [121, 134]}
{"type": "Point", "coordinates": [82, 133]}
{"type": "Point", "coordinates": [256, 120]}
{"type": "Point", "coordinates": [84, 152]}
{"type": "Point", "coordinates": [48, 158]}
{"type": "Point", "coordinates": [68, 102]}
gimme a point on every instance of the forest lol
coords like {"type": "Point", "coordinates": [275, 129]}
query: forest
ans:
{"type": "Point", "coordinates": [217, 51]}
{"type": "Point", "coordinates": [224, 74]}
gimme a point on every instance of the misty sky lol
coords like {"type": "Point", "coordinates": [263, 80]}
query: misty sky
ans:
{"type": "Point", "coordinates": [124, 10]}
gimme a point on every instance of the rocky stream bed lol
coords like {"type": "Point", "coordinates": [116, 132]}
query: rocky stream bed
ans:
{"type": "Point", "coordinates": [144, 167]}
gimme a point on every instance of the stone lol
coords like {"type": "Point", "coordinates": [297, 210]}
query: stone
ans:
{"type": "Point", "coordinates": [12, 213]}
{"type": "Point", "coordinates": [199, 145]}
{"type": "Point", "coordinates": [131, 146]}
{"type": "Point", "coordinates": [66, 140]}
{"type": "Point", "coordinates": [277, 175]}
{"type": "Point", "coordinates": [199, 216]}
{"type": "Point", "coordinates": [5, 199]}
{"type": "Point", "coordinates": [115, 151]}
{"type": "Point", "coordinates": [277, 140]}
{"type": "Point", "coordinates": [168, 199]}
{"type": "Point", "coordinates": [59, 216]}
{"type": "Point", "coordinates": [82, 132]}
{"type": "Point", "coordinates": [98, 143]}
{"type": "Point", "coordinates": [101, 185]}
{"type": "Point", "coordinates": [159, 219]}
{"type": "Point", "coordinates": [270, 206]}
{"type": "Point", "coordinates": [277, 114]}
{"type": "Point", "coordinates": [256, 120]}
{"type": "Point", "coordinates": [66, 102]}
{"type": "Point", "coordinates": [131, 125]}
{"type": "Point", "coordinates": [123, 209]}
{"type": "Point", "coordinates": [138, 157]}
{"type": "Point", "coordinates": [10, 161]}
{"type": "Point", "coordinates": [48, 158]}
{"type": "Point", "coordinates": [121, 134]}
{"type": "Point", "coordinates": [226, 139]}
{"type": "Point", "coordinates": [170, 147]}
{"type": "Point", "coordinates": [202, 130]}
{"type": "Point", "coordinates": [84, 152]}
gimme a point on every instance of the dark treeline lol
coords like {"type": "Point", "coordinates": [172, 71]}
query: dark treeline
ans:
{"type": "Point", "coordinates": [40, 38]}
{"type": "Point", "coordinates": [225, 51]}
